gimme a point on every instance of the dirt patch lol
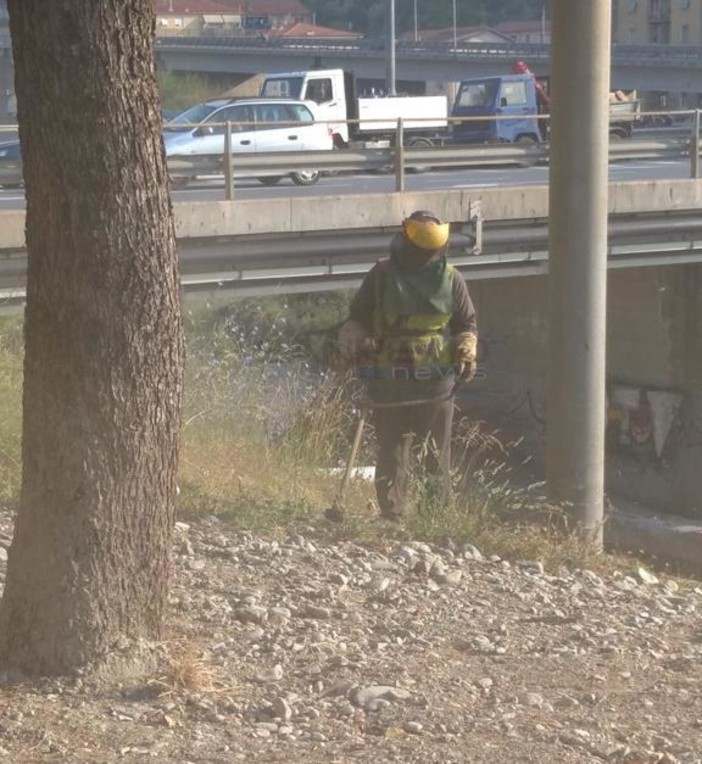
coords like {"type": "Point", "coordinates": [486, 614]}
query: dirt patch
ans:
{"type": "Point", "coordinates": [297, 648]}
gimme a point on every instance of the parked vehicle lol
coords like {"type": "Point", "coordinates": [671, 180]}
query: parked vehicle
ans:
{"type": "Point", "coordinates": [373, 119]}
{"type": "Point", "coordinates": [519, 99]}
{"type": "Point", "coordinates": [258, 125]}
{"type": "Point", "coordinates": [10, 165]}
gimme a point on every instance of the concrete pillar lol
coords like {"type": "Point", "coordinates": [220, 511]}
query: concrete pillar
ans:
{"type": "Point", "coordinates": [580, 72]}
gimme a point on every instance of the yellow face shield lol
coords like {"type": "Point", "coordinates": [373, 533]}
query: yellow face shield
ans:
{"type": "Point", "coordinates": [426, 234]}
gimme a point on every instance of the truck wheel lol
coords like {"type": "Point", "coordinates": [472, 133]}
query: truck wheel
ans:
{"type": "Point", "coordinates": [526, 140]}
{"type": "Point", "coordinates": [419, 143]}
{"type": "Point", "coordinates": [305, 177]}
{"type": "Point", "coordinates": [270, 181]}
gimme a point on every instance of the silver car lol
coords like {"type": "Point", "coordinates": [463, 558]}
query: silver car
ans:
{"type": "Point", "coordinates": [258, 125]}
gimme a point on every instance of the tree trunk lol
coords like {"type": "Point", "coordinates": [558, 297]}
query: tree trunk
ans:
{"type": "Point", "coordinates": [89, 562]}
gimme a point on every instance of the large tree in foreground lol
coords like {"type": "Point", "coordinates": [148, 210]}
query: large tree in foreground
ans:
{"type": "Point", "coordinates": [89, 562]}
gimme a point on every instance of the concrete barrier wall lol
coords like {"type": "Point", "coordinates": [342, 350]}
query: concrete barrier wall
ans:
{"type": "Point", "coordinates": [654, 344]}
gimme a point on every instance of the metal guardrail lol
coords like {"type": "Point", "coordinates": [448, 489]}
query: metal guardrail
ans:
{"type": "Point", "coordinates": [318, 261]}
{"type": "Point", "coordinates": [274, 164]}
{"type": "Point", "coordinates": [632, 55]}
{"type": "Point", "coordinates": [400, 157]}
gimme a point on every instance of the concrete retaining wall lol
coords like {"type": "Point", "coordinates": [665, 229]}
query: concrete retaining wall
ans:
{"type": "Point", "coordinates": [654, 344]}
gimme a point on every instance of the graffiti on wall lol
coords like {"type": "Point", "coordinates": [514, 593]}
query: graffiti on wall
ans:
{"type": "Point", "coordinates": [640, 421]}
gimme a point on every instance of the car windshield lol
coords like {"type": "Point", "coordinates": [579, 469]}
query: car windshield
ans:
{"type": "Point", "coordinates": [193, 115]}
{"type": "Point", "coordinates": [285, 87]}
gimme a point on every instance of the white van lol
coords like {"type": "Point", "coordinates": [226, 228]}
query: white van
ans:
{"type": "Point", "coordinates": [200, 130]}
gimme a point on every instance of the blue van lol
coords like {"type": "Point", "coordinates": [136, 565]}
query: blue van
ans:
{"type": "Point", "coordinates": [511, 97]}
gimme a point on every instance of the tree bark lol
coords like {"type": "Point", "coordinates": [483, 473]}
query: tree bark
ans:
{"type": "Point", "coordinates": [89, 561]}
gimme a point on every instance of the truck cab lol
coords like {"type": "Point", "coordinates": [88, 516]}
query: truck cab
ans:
{"type": "Point", "coordinates": [333, 90]}
{"type": "Point", "coordinates": [362, 121]}
{"type": "Point", "coordinates": [512, 98]}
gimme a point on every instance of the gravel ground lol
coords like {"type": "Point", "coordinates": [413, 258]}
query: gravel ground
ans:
{"type": "Point", "coordinates": [302, 649]}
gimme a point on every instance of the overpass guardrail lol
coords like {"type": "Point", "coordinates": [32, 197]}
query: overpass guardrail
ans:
{"type": "Point", "coordinates": [255, 247]}
{"type": "Point", "coordinates": [634, 55]}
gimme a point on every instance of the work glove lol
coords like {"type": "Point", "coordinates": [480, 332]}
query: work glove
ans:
{"type": "Point", "coordinates": [465, 354]}
{"type": "Point", "coordinates": [353, 343]}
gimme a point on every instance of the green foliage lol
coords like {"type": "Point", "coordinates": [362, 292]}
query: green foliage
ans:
{"type": "Point", "coordinates": [182, 90]}
{"type": "Point", "coordinates": [369, 17]}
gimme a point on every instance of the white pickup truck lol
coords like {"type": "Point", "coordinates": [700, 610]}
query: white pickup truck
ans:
{"type": "Point", "coordinates": [362, 121]}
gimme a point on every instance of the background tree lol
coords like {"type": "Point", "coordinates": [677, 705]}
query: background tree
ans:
{"type": "Point", "coordinates": [89, 560]}
{"type": "Point", "coordinates": [431, 14]}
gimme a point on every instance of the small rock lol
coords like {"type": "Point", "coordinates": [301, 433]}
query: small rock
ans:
{"type": "Point", "coordinates": [251, 614]}
{"type": "Point", "coordinates": [470, 552]}
{"type": "Point", "coordinates": [278, 616]}
{"type": "Point", "coordinates": [647, 578]}
{"type": "Point", "coordinates": [317, 612]}
{"type": "Point", "coordinates": [281, 709]}
{"type": "Point", "coordinates": [438, 572]}
{"type": "Point", "coordinates": [270, 675]}
{"type": "Point", "coordinates": [532, 566]}
{"type": "Point", "coordinates": [533, 700]}
{"type": "Point", "coordinates": [365, 695]}
{"type": "Point", "coordinates": [414, 728]}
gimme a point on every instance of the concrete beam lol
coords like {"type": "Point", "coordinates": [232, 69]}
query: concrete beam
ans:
{"type": "Point", "coordinates": [207, 219]}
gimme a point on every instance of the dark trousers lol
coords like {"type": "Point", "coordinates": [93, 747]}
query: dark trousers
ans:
{"type": "Point", "coordinates": [400, 431]}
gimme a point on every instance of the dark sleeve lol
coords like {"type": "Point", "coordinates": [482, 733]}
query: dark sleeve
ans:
{"type": "Point", "coordinates": [363, 303]}
{"type": "Point", "coordinates": [463, 319]}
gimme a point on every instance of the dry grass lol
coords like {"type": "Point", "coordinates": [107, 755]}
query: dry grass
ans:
{"type": "Point", "coordinates": [11, 355]}
{"type": "Point", "coordinates": [262, 430]}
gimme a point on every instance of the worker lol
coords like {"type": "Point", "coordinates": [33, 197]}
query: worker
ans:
{"type": "Point", "coordinates": [411, 334]}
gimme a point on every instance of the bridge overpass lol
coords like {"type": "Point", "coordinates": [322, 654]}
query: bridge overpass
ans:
{"type": "Point", "coordinates": [675, 69]}
{"type": "Point", "coordinates": [654, 334]}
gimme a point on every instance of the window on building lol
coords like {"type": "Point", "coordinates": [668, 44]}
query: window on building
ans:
{"type": "Point", "coordinates": [633, 5]}
{"type": "Point", "coordinates": [685, 5]}
{"type": "Point", "coordinates": [685, 34]}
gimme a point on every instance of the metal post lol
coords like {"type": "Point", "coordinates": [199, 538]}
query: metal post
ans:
{"type": "Point", "coordinates": [695, 147]}
{"type": "Point", "coordinates": [416, 28]}
{"type": "Point", "coordinates": [228, 164]}
{"type": "Point", "coordinates": [455, 44]}
{"type": "Point", "coordinates": [580, 66]}
{"type": "Point", "coordinates": [400, 156]}
{"type": "Point", "coordinates": [390, 83]}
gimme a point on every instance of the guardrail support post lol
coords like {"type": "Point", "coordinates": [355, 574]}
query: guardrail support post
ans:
{"type": "Point", "coordinates": [400, 156]}
{"type": "Point", "coordinates": [695, 146]}
{"type": "Point", "coordinates": [228, 164]}
{"type": "Point", "coordinates": [577, 281]}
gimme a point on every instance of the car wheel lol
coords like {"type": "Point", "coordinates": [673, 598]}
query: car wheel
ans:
{"type": "Point", "coordinates": [419, 143]}
{"type": "Point", "coordinates": [180, 181]}
{"type": "Point", "coordinates": [270, 181]}
{"type": "Point", "coordinates": [305, 177]}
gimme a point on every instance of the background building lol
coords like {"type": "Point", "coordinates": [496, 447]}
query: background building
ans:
{"type": "Point", "coordinates": [660, 22]}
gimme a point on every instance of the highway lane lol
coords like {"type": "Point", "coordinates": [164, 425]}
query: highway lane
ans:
{"type": "Point", "coordinates": [213, 189]}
